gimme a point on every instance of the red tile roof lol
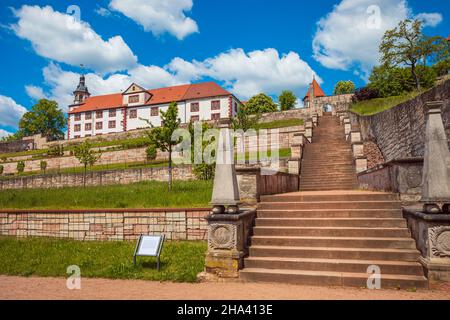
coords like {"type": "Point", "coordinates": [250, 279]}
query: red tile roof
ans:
{"type": "Point", "coordinates": [318, 92]}
{"type": "Point", "coordinates": [158, 96]}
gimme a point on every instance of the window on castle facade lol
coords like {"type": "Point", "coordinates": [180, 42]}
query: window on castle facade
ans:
{"type": "Point", "coordinates": [133, 99]}
{"type": "Point", "coordinates": [195, 118]}
{"type": "Point", "coordinates": [88, 116]}
{"type": "Point", "coordinates": [78, 117]}
{"type": "Point", "coordinates": [215, 105]}
{"type": "Point", "coordinates": [99, 114]}
{"type": "Point", "coordinates": [133, 114]}
{"type": "Point", "coordinates": [154, 111]}
{"type": "Point", "coordinates": [99, 125]}
{"type": "Point", "coordinates": [195, 107]}
{"type": "Point", "coordinates": [112, 113]}
{"type": "Point", "coordinates": [111, 124]}
{"type": "Point", "coordinates": [215, 116]}
{"type": "Point", "coordinates": [77, 128]}
{"type": "Point", "coordinates": [88, 127]}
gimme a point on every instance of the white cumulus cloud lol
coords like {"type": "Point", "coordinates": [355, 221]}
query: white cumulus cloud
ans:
{"type": "Point", "coordinates": [4, 133]}
{"type": "Point", "coordinates": [35, 92]}
{"type": "Point", "coordinates": [244, 74]}
{"type": "Point", "coordinates": [430, 19]}
{"type": "Point", "coordinates": [349, 36]}
{"type": "Point", "coordinates": [10, 112]}
{"type": "Point", "coordinates": [63, 38]}
{"type": "Point", "coordinates": [159, 16]}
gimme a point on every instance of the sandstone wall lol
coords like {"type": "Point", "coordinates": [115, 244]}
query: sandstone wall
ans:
{"type": "Point", "coordinates": [96, 178]}
{"type": "Point", "coordinates": [110, 225]}
{"type": "Point", "coordinates": [399, 132]}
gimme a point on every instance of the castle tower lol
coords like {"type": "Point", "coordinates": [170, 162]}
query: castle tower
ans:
{"type": "Point", "coordinates": [81, 93]}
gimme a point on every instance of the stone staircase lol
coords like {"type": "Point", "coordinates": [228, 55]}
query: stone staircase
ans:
{"type": "Point", "coordinates": [330, 237]}
{"type": "Point", "coordinates": [328, 162]}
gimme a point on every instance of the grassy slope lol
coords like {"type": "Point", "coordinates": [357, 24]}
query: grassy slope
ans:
{"type": "Point", "coordinates": [378, 105]}
{"type": "Point", "coordinates": [149, 194]}
{"type": "Point", "coordinates": [180, 261]}
{"type": "Point", "coordinates": [280, 124]}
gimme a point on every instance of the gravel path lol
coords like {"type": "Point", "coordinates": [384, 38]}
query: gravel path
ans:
{"type": "Point", "coordinates": [55, 288]}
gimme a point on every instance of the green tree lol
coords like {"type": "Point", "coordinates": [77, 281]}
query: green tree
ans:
{"type": "Point", "coordinates": [403, 46]}
{"type": "Point", "coordinates": [44, 118]}
{"type": "Point", "coordinates": [244, 120]}
{"type": "Point", "coordinates": [161, 137]}
{"type": "Point", "coordinates": [344, 87]}
{"type": "Point", "coordinates": [43, 165]}
{"type": "Point", "coordinates": [287, 100]}
{"type": "Point", "coordinates": [86, 156]}
{"type": "Point", "coordinates": [1, 169]}
{"type": "Point", "coordinates": [261, 103]}
{"type": "Point", "coordinates": [20, 167]}
{"type": "Point", "coordinates": [395, 81]}
{"type": "Point", "coordinates": [203, 171]}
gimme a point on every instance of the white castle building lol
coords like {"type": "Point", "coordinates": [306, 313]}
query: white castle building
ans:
{"type": "Point", "coordinates": [119, 112]}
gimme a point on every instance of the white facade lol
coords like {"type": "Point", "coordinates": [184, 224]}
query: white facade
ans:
{"type": "Point", "coordinates": [105, 121]}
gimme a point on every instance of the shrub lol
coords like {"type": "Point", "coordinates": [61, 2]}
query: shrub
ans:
{"type": "Point", "coordinates": [151, 152]}
{"type": "Point", "coordinates": [4, 159]}
{"type": "Point", "coordinates": [365, 93]}
{"type": "Point", "coordinates": [1, 169]}
{"type": "Point", "coordinates": [56, 151]}
{"type": "Point", "coordinates": [43, 165]}
{"type": "Point", "coordinates": [20, 166]}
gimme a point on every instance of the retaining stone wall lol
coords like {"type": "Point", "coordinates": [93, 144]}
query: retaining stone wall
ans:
{"type": "Point", "coordinates": [114, 225]}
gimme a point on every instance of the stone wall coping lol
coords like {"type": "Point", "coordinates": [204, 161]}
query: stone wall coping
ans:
{"type": "Point", "coordinates": [358, 143]}
{"type": "Point", "coordinates": [392, 163]}
{"type": "Point", "coordinates": [248, 169]}
{"type": "Point", "coordinates": [415, 211]}
{"type": "Point", "coordinates": [149, 210]}
{"type": "Point", "coordinates": [231, 217]}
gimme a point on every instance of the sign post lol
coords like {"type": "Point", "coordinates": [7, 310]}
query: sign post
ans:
{"type": "Point", "coordinates": [149, 246]}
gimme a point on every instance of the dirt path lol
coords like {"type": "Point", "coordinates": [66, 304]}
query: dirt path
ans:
{"type": "Point", "coordinates": [55, 288]}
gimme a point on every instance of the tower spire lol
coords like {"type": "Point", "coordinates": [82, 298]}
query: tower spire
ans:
{"type": "Point", "coordinates": [81, 93]}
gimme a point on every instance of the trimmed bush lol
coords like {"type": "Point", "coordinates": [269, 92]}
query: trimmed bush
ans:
{"type": "Point", "coordinates": [1, 169]}
{"type": "Point", "coordinates": [43, 166]}
{"type": "Point", "coordinates": [151, 152]}
{"type": "Point", "coordinates": [20, 166]}
{"type": "Point", "coordinates": [364, 94]}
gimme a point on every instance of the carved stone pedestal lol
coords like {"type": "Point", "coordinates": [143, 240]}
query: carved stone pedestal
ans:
{"type": "Point", "coordinates": [432, 235]}
{"type": "Point", "coordinates": [228, 242]}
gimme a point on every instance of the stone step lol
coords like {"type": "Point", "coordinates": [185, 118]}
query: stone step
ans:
{"type": "Point", "coordinates": [335, 253]}
{"type": "Point", "coordinates": [336, 265]}
{"type": "Point", "coordinates": [329, 278]}
{"type": "Point", "coordinates": [307, 197]}
{"type": "Point", "coordinates": [337, 213]}
{"type": "Point", "coordinates": [340, 242]}
{"type": "Point", "coordinates": [332, 222]}
{"type": "Point", "coordinates": [328, 188]}
{"type": "Point", "coordinates": [324, 205]}
{"type": "Point", "coordinates": [308, 180]}
{"type": "Point", "coordinates": [332, 232]}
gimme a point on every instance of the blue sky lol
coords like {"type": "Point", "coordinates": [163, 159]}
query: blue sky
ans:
{"type": "Point", "coordinates": [248, 46]}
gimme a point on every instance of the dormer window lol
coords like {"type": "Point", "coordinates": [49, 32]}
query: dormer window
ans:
{"type": "Point", "coordinates": [133, 99]}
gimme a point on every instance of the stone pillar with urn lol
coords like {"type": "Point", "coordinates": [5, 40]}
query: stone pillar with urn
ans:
{"type": "Point", "coordinates": [430, 226]}
{"type": "Point", "coordinates": [229, 227]}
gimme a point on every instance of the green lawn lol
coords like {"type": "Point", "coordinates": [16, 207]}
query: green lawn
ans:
{"type": "Point", "coordinates": [149, 194]}
{"type": "Point", "coordinates": [101, 167]}
{"type": "Point", "coordinates": [280, 124]}
{"type": "Point", "coordinates": [180, 261]}
{"type": "Point", "coordinates": [374, 106]}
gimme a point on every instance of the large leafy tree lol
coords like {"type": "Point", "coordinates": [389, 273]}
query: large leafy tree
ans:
{"type": "Point", "coordinates": [261, 103]}
{"type": "Point", "coordinates": [403, 45]}
{"type": "Point", "coordinates": [44, 118]}
{"type": "Point", "coordinates": [287, 100]}
{"type": "Point", "coordinates": [161, 137]}
{"type": "Point", "coordinates": [344, 87]}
